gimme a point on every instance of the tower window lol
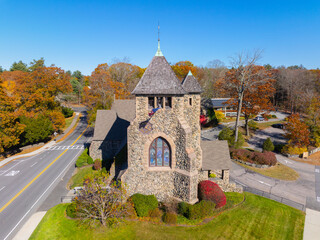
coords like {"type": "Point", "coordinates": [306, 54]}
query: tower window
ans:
{"type": "Point", "coordinates": [151, 102]}
{"type": "Point", "coordinates": [190, 101]}
{"type": "Point", "coordinates": [168, 102]}
{"type": "Point", "coordinates": [159, 102]}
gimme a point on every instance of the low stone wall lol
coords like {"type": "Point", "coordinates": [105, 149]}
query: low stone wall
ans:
{"type": "Point", "coordinates": [31, 146]}
{"type": "Point", "coordinates": [314, 151]}
{"type": "Point", "coordinates": [251, 164]}
{"type": "Point", "coordinates": [227, 187]}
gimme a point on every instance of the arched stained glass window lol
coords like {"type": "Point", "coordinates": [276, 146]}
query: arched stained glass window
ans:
{"type": "Point", "coordinates": [159, 153]}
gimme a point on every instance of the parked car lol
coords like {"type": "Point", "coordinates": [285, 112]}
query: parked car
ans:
{"type": "Point", "coordinates": [278, 125]}
{"type": "Point", "coordinates": [258, 118]}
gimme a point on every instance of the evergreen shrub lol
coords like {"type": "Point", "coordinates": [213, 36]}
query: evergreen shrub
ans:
{"type": "Point", "coordinates": [211, 191]}
{"type": "Point", "coordinates": [268, 145]}
{"type": "Point", "coordinates": [155, 213]}
{"type": "Point", "coordinates": [71, 210]}
{"type": "Point", "coordinates": [83, 159]}
{"type": "Point", "coordinates": [67, 112]}
{"type": "Point", "coordinates": [170, 218]}
{"type": "Point", "coordinates": [143, 204]}
{"type": "Point", "coordinates": [229, 135]}
{"type": "Point", "coordinates": [200, 210]}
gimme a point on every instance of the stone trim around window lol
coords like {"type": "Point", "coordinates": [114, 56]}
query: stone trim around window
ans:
{"type": "Point", "coordinates": [146, 152]}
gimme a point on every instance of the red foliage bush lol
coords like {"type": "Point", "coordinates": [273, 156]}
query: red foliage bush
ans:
{"type": "Point", "coordinates": [265, 158]}
{"type": "Point", "coordinates": [211, 191]}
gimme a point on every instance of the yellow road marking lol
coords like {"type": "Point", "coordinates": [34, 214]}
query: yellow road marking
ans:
{"type": "Point", "coordinates": [23, 189]}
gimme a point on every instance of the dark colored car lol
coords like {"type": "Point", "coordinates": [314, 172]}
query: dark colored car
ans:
{"type": "Point", "coordinates": [278, 125]}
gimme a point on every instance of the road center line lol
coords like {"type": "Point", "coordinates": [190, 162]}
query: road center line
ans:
{"type": "Point", "coordinates": [41, 196]}
{"type": "Point", "coordinates": [23, 189]}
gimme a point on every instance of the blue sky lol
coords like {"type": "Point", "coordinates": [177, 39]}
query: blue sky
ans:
{"type": "Point", "coordinates": [79, 35]}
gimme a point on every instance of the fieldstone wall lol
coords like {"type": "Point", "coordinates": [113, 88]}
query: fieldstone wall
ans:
{"type": "Point", "coordinates": [180, 180]}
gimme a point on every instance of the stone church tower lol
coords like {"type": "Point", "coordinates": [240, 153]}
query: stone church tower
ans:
{"type": "Point", "coordinates": [164, 152]}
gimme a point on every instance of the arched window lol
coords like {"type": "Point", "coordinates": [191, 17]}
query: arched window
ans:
{"type": "Point", "coordinates": [159, 153]}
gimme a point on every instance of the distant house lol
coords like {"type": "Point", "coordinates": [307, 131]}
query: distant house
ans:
{"type": "Point", "coordinates": [219, 104]}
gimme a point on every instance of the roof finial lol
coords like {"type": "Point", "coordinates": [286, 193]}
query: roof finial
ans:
{"type": "Point", "coordinates": [159, 53]}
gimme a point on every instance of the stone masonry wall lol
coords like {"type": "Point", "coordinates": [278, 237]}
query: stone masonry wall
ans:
{"type": "Point", "coordinates": [181, 179]}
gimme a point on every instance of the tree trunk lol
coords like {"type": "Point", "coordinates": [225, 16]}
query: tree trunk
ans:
{"type": "Point", "coordinates": [238, 117]}
{"type": "Point", "coordinates": [247, 125]}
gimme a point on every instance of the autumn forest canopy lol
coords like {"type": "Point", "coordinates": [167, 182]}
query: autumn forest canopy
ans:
{"type": "Point", "coordinates": [34, 98]}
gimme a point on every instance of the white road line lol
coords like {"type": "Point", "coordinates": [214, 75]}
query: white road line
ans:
{"type": "Point", "coordinates": [39, 198]}
{"type": "Point", "coordinates": [288, 162]}
{"type": "Point", "coordinates": [264, 183]}
{"type": "Point", "coordinates": [33, 164]}
{"type": "Point", "coordinates": [12, 173]}
{"type": "Point", "coordinates": [63, 147]}
{"type": "Point", "coordinates": [317, 170]}
{"type": "Point", "coordinates": [9, 168]}
{"type": "Point", "coordinates": [77, 147]}
{"type": "Point", "coordinates": [58, 147]}
{"type": "Point", "coordinates": [2, 188]}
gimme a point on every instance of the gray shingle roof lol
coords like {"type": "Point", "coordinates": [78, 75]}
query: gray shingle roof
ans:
{"type": "Point", "coordinates": [191, 85]}
{"type": "Point", "coordinates": [112, 124]}
{"type": "Point", "coordinates": [159, 78]}
{"type": "Point", "coordinates": [215, 155]}
{"type": "Point", "coordinates": [220, 102]}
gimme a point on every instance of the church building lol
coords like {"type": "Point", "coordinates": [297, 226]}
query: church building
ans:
{"type": "Point", "coordinates": [161, 133]}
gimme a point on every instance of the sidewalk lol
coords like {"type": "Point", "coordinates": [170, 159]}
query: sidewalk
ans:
{"type": "Point", "coordinates": [311, 225]}
{"type": "Point", "coordinates": [44, 147]}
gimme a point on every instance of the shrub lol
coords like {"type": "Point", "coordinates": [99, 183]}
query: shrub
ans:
{"type": "Point", "coordinates": [144, 203]}
{"type": "Point", "coordinates": [265, 158]}
{"type": "Point", "coordinates": [89, 160]}
{"type": "Point", "coordinates": [84, 159]}
{"type": "Point", "coordinates": [242, 154]}
{"type": "Point", "coordinates": [155, 213]}
{"type": "Point", "coordinates": [253, 125]}
{"type": "Point", "coordinates": [97, 164]}
{"type": "Point", "coordinates": [293, 150]}
{"type": "Point", "coordinates": [71, 210]}
{"type": "Point", "coordinates": [268, 145]}
{"type": "Point", "coordinates": [200, 210]}
{"type": "Point", "coordinates": [212, 175]}
{"type": "Point", "coordinates": [278, 148]}
{"type": "Point", "coordinates": [211, 191]}
{"type": "Point", "coordinates": [228, 134]}
{"type": "Point", "coordinates": [273, 116]}
{"type": "Point", "coordinates": [170, 218]}
{"type": "Point", "coordinates": [67, 112]}
{"type": "Point", "coordinates": [183, 208]}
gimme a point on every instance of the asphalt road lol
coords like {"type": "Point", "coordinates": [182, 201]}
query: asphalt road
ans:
{"type": "Point", "coordinates": [26, 183]}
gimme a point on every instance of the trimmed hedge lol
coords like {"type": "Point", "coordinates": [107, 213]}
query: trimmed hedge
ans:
{"type": "Point", "coordinates": [71, 210]}
{"type": "Point", "coordinates": [143, 204]}
{"type": "Point", "coordinates": [84, 159]}
{"type": "Point", "coordinates": [170, 218]}
{"type": "Point", "coordinates": [265, 158]}
{"type": "Point", "coordinates": [211, 191]}
{"type": "Point", "coordinates": [197, 211]}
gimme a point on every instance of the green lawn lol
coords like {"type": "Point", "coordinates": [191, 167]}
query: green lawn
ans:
{"type": "Point", "coordinates": [256, 218]}
{"type": "Point", "coordinates": [77, 179]}
{"type": "Point", "coordinates": [68, 122]}
{"type": "Point", "coordinates": [265, 125]}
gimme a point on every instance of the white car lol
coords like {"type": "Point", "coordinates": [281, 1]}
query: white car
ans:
{"type": "Point", "coordinates": [258, 118]}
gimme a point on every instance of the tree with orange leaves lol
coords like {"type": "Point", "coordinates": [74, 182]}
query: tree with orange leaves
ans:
{"type": "Point", "coordinates": [243, 76]}
{"type": "Point", "coordinates": [10, 128]}
{"type": "Point", "coordinates": [257, 97]}
{"type": "Point", "coordinates": [297, 131]}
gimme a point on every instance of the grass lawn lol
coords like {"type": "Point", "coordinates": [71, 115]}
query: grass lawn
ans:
{"type": "Point", "coordinates": [265, 125]}
{"type": "Point", "coordinates": [256, 218]}
{"type": "Point", "coordinates": [68, 122]}
{"type": "Point", "coordinates": [279, 171]}
{"type": "Point", "coordinates": [77, 179]}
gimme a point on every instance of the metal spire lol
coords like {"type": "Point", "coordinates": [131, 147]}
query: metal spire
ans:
{"type": "Point", "coordinates": [159, 53]}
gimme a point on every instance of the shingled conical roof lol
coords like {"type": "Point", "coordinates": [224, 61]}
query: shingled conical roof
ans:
{"type": "Point", "coordinates": [159, 78]}
{"type": "Point", "coordinates": [191, 85]}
